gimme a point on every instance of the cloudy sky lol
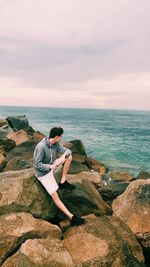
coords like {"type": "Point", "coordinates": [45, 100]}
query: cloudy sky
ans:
{"type": "Point", "coordinates": [75, 53]}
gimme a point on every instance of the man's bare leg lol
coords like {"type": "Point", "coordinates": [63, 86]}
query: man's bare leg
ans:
{"type": "Point", "coordinates": [61, 205]}
{"type": "Point", "coordinates": [75, 220]}
{"type": "Point", "coordinates": [66, 169]}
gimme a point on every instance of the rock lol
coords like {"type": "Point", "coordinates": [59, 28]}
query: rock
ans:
{"type": "Point", "coordinates": [121, 176]}
{"type": "Point", "coordinates": [7, 144]}
{"type": "Point", "coordinates": [96, 165]}
{"type": "Point", "coordinates": [111, 191]}
{"type": "Point", "coordinates": [144, 240]}
{"type": "Point", "coordinates": [20, 123]}
{"type": "Point", "coordinates": [3, 162]}
{"type": "Point", "coordinates": [78, 151]}
{"type": "Point", "coordinates": [38, 136]}
{"type": "Point", "coordinates": [104, 241]}
{"type": "Point", "coordinates": [3, 122]}
{"type": "Point", "coordinates": [84, 200]}
{"type": "Point", "coordinates": [133, 207]}
{"type": "Point", "coordinates": [93, 177]}
{"type": "Point", "coordinates": [21, 157]}
{"type": "Point", "coordinates": [41, 253]}
{"type": "Point", "coordinates": [77, 167]}
{"type": "Point", "coordinates": [143, 175]}
{"type": "Point", "coordinates": [16, 228]}
{"type": "Point", "coordinates": [20, 191]}
{"type": "Point", "coordinates": [4, 129]}
{"type": "Point", "coordinates": [19, 137]}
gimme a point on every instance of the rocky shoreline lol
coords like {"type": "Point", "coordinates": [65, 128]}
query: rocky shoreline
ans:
{"type": "Point", "coordinates": [33, 232]}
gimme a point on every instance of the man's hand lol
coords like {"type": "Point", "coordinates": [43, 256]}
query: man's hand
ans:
{"type": "Point", "coordinates": [53, 166]}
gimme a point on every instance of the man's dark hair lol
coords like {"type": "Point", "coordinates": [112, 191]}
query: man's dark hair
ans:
{"type": "Point", "coordinates": [56, 131]}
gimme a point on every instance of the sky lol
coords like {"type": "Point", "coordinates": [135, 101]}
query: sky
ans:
{"type": "Point", "coordinates": [75, 53]}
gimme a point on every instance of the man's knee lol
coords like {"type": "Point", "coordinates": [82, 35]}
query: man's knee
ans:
{"type": "Point", "coordinates": [69, 158]}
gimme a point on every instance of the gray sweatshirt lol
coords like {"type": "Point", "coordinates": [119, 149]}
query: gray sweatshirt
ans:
{"type": "Point", "coordinates": [45, 154]}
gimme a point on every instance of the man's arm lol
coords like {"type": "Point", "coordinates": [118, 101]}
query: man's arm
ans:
{"type": "Point", "coordinates": [63, 150]}
{"type": "Point", "coordinates": [38, 160]}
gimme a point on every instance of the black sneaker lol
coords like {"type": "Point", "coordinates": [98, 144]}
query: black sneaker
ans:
{"type": "Point", "coordinates": [66, 185]}
{"type": "Point", "coordinates": [77, 221]}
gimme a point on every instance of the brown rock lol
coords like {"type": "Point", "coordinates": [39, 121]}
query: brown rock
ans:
{"type": "Point", "coordinates": [3, 162]}
{"type": "Point", "coordinates": [104, 241]}
{"type": "Point", "coordinates": [3, 122]}
{"type": "Point", "coordinates": [19, 137]}
{"type": "Point", "coordinates": [93, 177]}
{"type": "Point", "coordinates": [16, 228]}
{"type": "Point", "coordinates": [38, 136]}
{"type": "Point", "coordinates": [133, 206]}
{"type": "Point", "coordinates": [21, 191]}
{"type": "Point", "coordinates": [40, 253]}
{"type": "Point", "coordinates": [96, 165]}
{"type": "Point", "coordinates": [121, 176]}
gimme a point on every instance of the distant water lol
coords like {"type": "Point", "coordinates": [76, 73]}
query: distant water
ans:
{"type": "Point", "coordinates": [120, 139]}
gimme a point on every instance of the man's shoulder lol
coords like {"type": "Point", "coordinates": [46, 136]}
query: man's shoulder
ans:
{"type": "Point", "coordinates": [41, 144]}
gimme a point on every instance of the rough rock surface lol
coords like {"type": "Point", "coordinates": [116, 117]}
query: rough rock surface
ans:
{"type": "Point", "coordinates": [105, 241]}
{"type": "Point", "coordinates": [133, 206]}
{"type": "Point", "coordinates": [21, 191]}
{"type": "Point", "coordinates": [16, 228]}
{"type": "Point", "coordinates": [121, 176]}
{"type": "Point", "coordinates": [19, 137]}
{"type": "Point", "coordinates": [96, 165]}
{"type": "Point", "coordinates": [41, 253]}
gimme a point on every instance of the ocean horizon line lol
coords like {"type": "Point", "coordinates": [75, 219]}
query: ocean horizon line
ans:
{"type": "Point", "coordinates": [78, 108]}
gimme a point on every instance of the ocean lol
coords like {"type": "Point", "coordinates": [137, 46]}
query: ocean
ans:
{"type": "Point", "coordinates": [118, 138]}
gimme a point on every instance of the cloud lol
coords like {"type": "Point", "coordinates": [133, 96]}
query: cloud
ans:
{"type": "Point", "coordinates": [101, 48]}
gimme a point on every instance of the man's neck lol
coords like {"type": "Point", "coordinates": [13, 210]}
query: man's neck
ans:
{"type": "Point", "coordinates": [52, 141]}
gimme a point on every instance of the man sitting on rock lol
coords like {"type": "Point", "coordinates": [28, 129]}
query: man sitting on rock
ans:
{"type": "Point", "coordinates": [46, 165]}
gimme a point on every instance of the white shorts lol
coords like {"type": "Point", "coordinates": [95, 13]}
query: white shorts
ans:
{"type": "Point", "coordinates": [49, 181]}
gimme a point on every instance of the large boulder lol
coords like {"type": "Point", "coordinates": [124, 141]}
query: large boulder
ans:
{"type": "Point", "coordinates": [20, 123]}
{"type": "Point", "coordinates": [41, 253]}
{"type": "Point", "coordinates": [133, 207]}
{"type": "Point", "coordinates": [21, 157]}
{"type": "Point", "coordinates": [19, 137]}
{"type": "Point", "coordinates": [21, 191]}
{"type": "Point", "coordinates": [104, 241]}
{"type": "Point", "coordinates": [16, 228]}
{"type": "Point", "coordinates": [85, 199]}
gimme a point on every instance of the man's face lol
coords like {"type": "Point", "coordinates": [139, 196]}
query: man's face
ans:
{"type": "Point", "coordinates": [58, 138]}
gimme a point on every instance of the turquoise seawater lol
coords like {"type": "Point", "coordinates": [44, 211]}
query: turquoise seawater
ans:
{"type": "Point", "coordinates": [120, 139]}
